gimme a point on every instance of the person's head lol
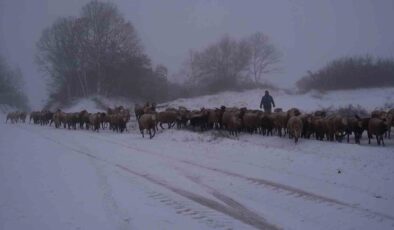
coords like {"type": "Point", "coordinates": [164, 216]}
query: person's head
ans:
{"type": "Point", "coordinates": [266, 92]}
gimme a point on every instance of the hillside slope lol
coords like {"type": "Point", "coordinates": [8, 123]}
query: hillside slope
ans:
{"type": "Point", "coordinates": [370, 99]}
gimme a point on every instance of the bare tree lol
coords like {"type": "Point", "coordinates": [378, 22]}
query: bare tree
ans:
{"type": "Point", "coordinates": [219, 66]}
{"type": "Point", "coordinates": [109, 39]}
{"type": "Point", "coordinates": [264, 56]}
{"type": "Point", "coordinates": [228, 62]}
{"type": "Point", "coordinates": [98, 52]}
{"type": "Point", "coordinates": [11, 86]}
{"type": "Point", "coordinates": [161, 71]}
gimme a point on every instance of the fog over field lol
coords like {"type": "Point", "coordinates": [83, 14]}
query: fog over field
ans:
{"type": "Point", "coordinates": [307, 33]}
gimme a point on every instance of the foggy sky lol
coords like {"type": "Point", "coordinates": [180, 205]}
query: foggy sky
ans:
{"type": "Point", "coordinates": [309, 33]}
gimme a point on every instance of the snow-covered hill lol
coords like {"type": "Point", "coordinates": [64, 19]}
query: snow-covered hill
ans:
{"type": "Point", "coordinates": [369, 99]}
{"type": "Point", "coordinates": [78, 179]}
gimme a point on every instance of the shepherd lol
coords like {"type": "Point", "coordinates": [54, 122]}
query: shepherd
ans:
{"type": "Point", "coordinates": [266, 102]}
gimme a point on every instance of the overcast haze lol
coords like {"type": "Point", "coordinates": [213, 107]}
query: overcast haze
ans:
{"type": "Point", "coordinates": [308, 33]}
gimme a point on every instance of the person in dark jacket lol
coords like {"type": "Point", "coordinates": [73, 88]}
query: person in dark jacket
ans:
{"type": "Point", "coordinates": [266, 102]}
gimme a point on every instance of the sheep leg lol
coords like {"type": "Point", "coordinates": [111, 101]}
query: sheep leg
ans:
{"type": "Point", "coordinates": [357, 137]}
{"type": "Point", "coordinates": [161, 125]}
{"type": "Point", "coordinates": [382, 140]}
{"type": "Point", "coordinates": [142, 132]}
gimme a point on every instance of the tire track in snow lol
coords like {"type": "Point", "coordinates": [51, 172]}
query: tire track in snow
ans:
{"type": "Point", "coordinates": [222, 197]}
{"type": "Point", "coordinates": [111, 207]}
{"type": "Point", "coordinates": [242, 214]}
{"type": "Point", "coordinates": [253, 220]}
{"type": "Point", "coordinates": [209, 217]}
{"type": "Point", "coordinates": [295, 192]}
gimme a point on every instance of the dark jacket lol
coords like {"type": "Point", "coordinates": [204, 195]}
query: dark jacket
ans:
{"type": "Point", "coordinates": [266, 101]}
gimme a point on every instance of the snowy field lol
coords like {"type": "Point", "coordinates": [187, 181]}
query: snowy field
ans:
{"type": "Point", "coordinates": [369, 99]}
{"type": "Point", "coordinates": [77, 179]}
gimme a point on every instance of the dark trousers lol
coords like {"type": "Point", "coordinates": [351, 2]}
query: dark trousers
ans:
{"type": "Point", "coordinates": [267, 109]}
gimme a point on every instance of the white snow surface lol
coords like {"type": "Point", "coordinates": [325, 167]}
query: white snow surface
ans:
{"type": "Point", "coordinates": [370, 99]}
{"type": "Point", "coordinates": [78, 179]}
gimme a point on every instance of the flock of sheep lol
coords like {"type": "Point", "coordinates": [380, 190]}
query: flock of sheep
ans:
{"type": "Point", "coordinates": [293, 123]}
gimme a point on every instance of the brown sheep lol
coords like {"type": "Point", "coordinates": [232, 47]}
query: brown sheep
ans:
{"type": "Point", "coordinates": [280, 122]}
{"type": "Point", "coordinates": [354, 126]}
{"type": "Point", "coordinates": [234, 125]}
{"type": "Point", "coordinates": [267, 123]}
{"type": "Point", "coordinates": [34, 116]}
{"type": "Point", "coordinates": [59, 118]}
{"type": "Point", "coordinates": [390, 121]}
{"type": "Point", "coordinates": [149, 108]}
{"type": "Point", "coordinates": [104, 120]}
{"type": "Point", "coordinates": [226, 117]}
{"type": "Point", "coordinates": [229, 112]}
{"type": "Point", "coordinates": [199, 119]}
{"type": "Point", "coordinates": [117, 122]}
{"type": "Point", "coordinates": [71, 120]}
{"type": "Point", "coordinates": [94, 121]}
{"type": "Point", "coordinates": [379, 114]}
{"type": "Point", "coordinates": [335, 127]}
{"type": "Point", "coordinates": [340, 126]}
{"type": "Point", "coordinates": [183, 117]}
{"type": "Point", "coordinates": [294, 126]}
{"type": "Point", "coordinates": [169, 117]}
{"type": "Point", "coordinates": [45, 117]}
{"type": "Point", "coordinates": [13, 117]}
{"type": "Point", "coordinates": [318, 126]}
{"type": "Point", "coordinates": [306, 125]}
{"type": "Point", "coordinates": [147, 122]}
{"type": "Point", "coordinates": [140, 110]}
{"type": "Point", "coordinates": [293, 112]}
{"type": "Point", "coordinates": [84, 118]}
{"type": "Point", "coordinates": [377, 127]}
{"type": "Point", "coordinates": [22, 116]}
{"type": "Point", "coordinates": [215, 117]}
{"type": "Point", "coordinates": [252, 121]}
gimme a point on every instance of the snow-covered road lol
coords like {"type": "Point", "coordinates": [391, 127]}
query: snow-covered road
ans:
{"type": "Point", "coordinates": [65, 179]}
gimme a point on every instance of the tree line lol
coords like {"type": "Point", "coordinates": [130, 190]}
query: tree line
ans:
{"type": "Point", "coordinates": [350, 73]}
{"type": "Point", "coordinates": [11, 86]}
{"type": "Point", "coordinates": [229, 64]}
{"type": "Point", "coordinates": [100, 53]}
{"type": "Point", "coordinates": [97, 53]}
